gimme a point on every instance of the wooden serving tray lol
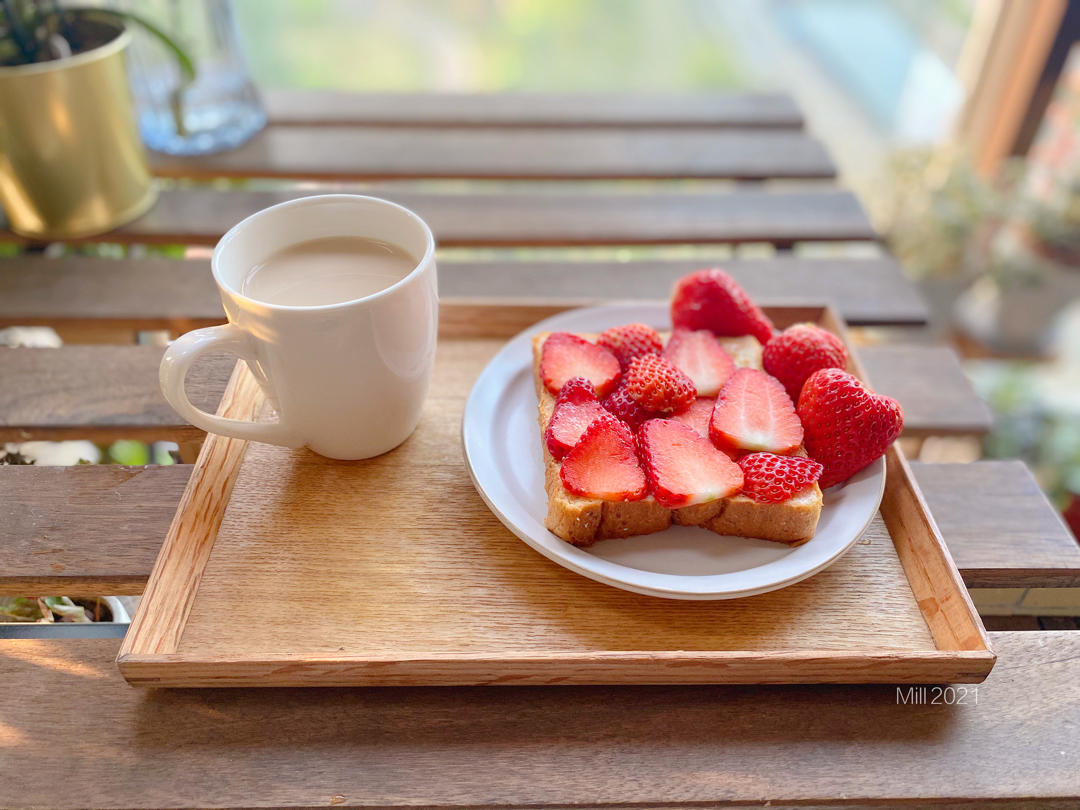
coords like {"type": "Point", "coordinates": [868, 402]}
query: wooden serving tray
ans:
{"type": "Point", "coordinates": [283, 568]}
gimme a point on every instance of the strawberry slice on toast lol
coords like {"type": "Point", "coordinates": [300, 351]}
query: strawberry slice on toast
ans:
{"type": "Point", "coordinates": [700, 357]}
{"type": "Point", "coordinates": [754, 413]}
{"type": "Point", "coordinates": [565, 356]}
{"type": "Point", "coordinates": [604, 463]}
{"type": "Point", "coordinates": [683, 467]}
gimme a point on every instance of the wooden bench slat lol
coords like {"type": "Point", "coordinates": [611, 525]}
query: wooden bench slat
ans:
{"type": "Point", "coordinates": [85, 530]}
{"type": "Point", "coordinates": [201, 216]}
{"type": "Point", "coordinates": [100, 393]}
{"type": "Point", "coordinates": [930, 384]}
{"type": "Point", "coordinates": [535, 746]}
{"type": "Point", "coordinates": [307, 108]}
{"type": "Point", "coordinates": [389, 153]}
{"type": "Point", "coordinates": [168, 293]}
{"type": "Point", "coordinates": [88, 530]}
{"type": "Point", "coordinates": [106, 392]}
{"type": "Point", "coordinates": [1000, 527]}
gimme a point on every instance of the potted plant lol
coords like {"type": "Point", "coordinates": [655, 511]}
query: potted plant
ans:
{"type": "Point", "coordinates": [938, 215]}
{"type": "Point", "coordinates": [71, 162]}
{"type": "Point", "coordinates": [1034, 275]}
{"type": "Point", "coordinates": [51, 609]}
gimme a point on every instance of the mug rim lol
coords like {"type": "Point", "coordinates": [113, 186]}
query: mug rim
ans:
{"type": "Point", "coordinates": [316, 199]}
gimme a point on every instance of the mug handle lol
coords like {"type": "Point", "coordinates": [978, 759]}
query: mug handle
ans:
{"type": "Point", "coordinates": [182, 354]}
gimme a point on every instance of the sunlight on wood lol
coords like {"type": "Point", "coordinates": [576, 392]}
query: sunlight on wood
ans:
{"type": "Point", "coordinates": [10, 737]}
{"type": "Point", "coordinates": [37, 652]}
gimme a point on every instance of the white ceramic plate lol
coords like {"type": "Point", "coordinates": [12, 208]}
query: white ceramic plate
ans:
{"type": "Point", "coordinates": [503, 453]}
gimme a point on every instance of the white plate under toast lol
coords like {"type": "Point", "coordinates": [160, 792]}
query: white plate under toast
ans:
{"type": "Point", "coordinates": [503, 452]}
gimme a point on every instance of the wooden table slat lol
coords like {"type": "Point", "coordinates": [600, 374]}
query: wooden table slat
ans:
{"type": "Point", "coordinates": [88, 530]}
{"type": "Point", "coordinates": [156, 293]}
{"type": "Point", "coordinates": [536, 747]}
{"type": "Point", "coordinates": [624, 110]}
{"type": "Point", "coordinates": [1000, 527]}
{"type": "Point", "coordinates": [390, 153]}
{"type": "Point", "coordinates": [100, 393]}
{"type": "Point", "coordinates": [556, 217]}
{"type": "Point", "coordinates": [84, 530]}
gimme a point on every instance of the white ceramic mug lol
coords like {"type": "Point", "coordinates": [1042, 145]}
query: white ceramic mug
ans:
{"type": "Point", "coordinates": [347, 380]}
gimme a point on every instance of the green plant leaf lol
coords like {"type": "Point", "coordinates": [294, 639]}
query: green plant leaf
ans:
{"type": "Point", "coordinates": [66, 610]}
{"type": "Point", "coordinates": [19, 609]}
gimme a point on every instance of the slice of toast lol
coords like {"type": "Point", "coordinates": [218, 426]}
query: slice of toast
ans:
{"type": "Point", "coordinates": [583, 521]}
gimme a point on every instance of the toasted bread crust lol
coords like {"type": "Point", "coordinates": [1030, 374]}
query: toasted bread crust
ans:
{"type": "Point", "coordinates": [583, 521]}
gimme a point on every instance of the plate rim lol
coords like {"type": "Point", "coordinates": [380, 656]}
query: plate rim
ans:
{"type": "Point", "coordinates": [876, 469]}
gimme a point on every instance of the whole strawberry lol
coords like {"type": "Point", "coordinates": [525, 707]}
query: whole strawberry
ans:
{"type": "Point", "coordinates": [798, 352]}
{"type": "Point", "coordinates": [713, 300]}
{"type": "Point", "coordinates": [846, 425]}
{"type": "Point", "coordinates": [768, 478]}
{"type": "Point", "coordinates": [630, 341]}
{"type": "Point", "coordinates": [656, 385]}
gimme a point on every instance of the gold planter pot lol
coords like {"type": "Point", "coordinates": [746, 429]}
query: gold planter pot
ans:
{"type": "Point", "coordinates": [71, 162]}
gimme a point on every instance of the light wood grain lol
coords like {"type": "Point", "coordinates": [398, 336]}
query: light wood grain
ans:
{"type": "Point", "coordinates": [174, 581]}
{"type": "Point", "coordinates": [931, 572]}
{"type": "Point", "coordinates": [584, 217]}
{"type": "Point", "coordinates": [744, 110]}
{"type": "Point", "coordinates": [585, 747]}
{"type": "Point", "coordinates": [390, 153]}
{"type": "Point", "coordinates": [422, 584]}
{"type": "Point", "coordinates": [934, 580]}
{"type": "Point", "coordinates": [76, 292]}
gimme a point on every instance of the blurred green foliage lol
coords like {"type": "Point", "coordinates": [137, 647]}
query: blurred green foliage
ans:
{"type": "Point", "coordinates": [485, 45]}
{"type": "Point", "coordinates": [129, 451]}
{"type": "Point", "coordinates": [41, 609]}
{"type": "Point", "coordinates": [1028, 425]}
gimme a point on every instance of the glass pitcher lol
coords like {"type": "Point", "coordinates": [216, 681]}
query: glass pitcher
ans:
{"type": "Point", "coordinates": [219, 109]}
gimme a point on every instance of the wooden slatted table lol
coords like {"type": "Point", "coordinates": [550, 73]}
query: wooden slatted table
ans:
{"type": "Point", "coordinates": [89, 530]}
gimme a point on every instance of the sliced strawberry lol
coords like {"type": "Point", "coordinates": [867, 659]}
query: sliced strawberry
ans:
{"type": "Point", "coordinates": [604, 463]}
{"type": "Point", "coordinates": [565, 356]}
{"type": "Point", "coordinates": [847, 424]}
{"type": "Point", "coordinates": [683, 467]}
{"type": "Point", "coordinates": [798, 352]}
{"type": "Point", "coordinates": [656, 385]}
{"type": "Point", "coordinates": [630, 341]}
{"type": "Point", "coordinates": [768, 478]}
{"type": "Point", "coordinates": [576, 408]}
{"type": "Point", "coordinates": [713, 300]}
{"type": "Point", "coordinates": [753, 412]}
{"type": "Point", "coordinates": [619, 403]}
{"type": "Point", "coordinates": [701, 358]}
{"type": "Point", "coordinates": [697, 415]}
